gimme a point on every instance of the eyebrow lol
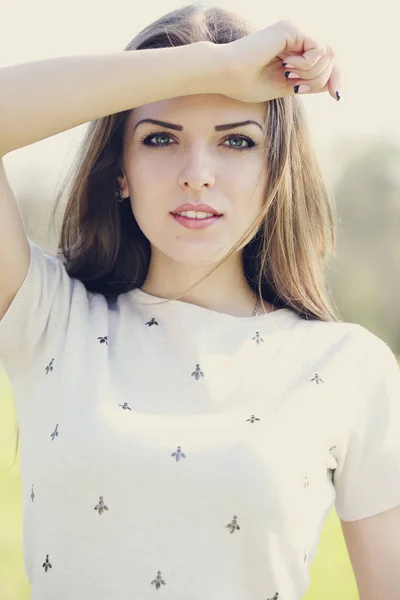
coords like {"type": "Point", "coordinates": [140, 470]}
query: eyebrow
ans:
{"type": "Point", "coordinates": [180, 128]}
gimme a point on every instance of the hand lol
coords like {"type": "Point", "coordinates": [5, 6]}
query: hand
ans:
{"type": "Point", "coordinates": [254, 71]}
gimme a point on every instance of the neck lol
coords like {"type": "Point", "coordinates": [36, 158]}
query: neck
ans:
{"type": "Point", "coordinates": [226, 290]}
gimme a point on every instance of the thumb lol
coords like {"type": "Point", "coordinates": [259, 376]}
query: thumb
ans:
{"type": "Point", "coordinates": [312, 54]}
{"type": "Point", "coordinates": [308, 55]}
{"type": "Point", "coordinates": [297, 45]}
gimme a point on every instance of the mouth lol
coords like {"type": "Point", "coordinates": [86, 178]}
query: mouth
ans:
{"type": "Point", "coordinates": [195, 222]}
{"type": "Point", "coordinates": [196, 214]}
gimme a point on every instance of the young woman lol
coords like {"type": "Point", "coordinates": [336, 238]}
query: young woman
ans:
{"type": "Point", "coordinates": [190, 405]}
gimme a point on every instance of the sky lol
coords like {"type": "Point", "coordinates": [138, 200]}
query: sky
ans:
{"type": "Point", "coordinates": [365, 41]}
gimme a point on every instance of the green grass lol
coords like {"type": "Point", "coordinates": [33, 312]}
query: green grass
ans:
{"type": "Point", "coordinates": [13, 582]}
{"type": "Point", "coordinates": [331, 572]}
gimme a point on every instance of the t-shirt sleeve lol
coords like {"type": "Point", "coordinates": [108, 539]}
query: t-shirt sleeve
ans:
{"type": "Point", "coordinates": [367, 479]}
{"type": "Point", "coordinates": [39, 311]}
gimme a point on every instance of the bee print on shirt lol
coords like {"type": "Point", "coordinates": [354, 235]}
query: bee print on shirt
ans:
{"type": "Point", "coordinates": [252, 419]}
{"type": "Point", "coordinates": [317, 379]}
{"type": "Point", "coordinates": [158, 581]}
{"type": "Point", "coordinates": [258, 338]}
{"type": "Point", "coordinates": [49, 366]}
{"type": "Point", "coordinates": [152, 322]}
{"type": "Point", "coordinates": [233, 526]}
{"type": "Point", "coordinates": [55, 433]}
{"type": "Point", "coordinates": [178, 454]}
{"type": "Point", "coordinates": [47, 564]}
{"type": "Point", "coordinates": [197, 373]}
{"type": "Point", "coordinates": [101, 507]}
{"type": "Point", "coordinates": [125, 406]}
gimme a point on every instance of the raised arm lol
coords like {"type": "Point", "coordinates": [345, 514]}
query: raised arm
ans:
{"type": "Point", "coordinates": [42, 98]}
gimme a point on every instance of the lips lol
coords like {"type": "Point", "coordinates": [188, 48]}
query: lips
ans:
{"type": "Point", "coordinates": [196, 208]}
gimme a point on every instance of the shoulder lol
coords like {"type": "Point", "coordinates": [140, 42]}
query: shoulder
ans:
{"type": "Point", "coordinates": [355, 333]}
{"type": "Point", "coordinates": [362, 346]}
{"type": "Point", "coordinates": [332, 332]}
{"type": "Point", "coordinates": [379, 366]}
{"type": "Point", "coordinates": [371, 346]}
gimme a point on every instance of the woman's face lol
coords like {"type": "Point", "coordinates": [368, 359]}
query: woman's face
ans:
{"type": "Point", "coordinates": [195, 164]}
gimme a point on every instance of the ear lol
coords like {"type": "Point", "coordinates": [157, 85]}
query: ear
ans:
{"type": "Point", "coordinates": [123, 184]}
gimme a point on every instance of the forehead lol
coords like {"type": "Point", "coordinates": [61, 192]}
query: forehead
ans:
{"type": "Point", "coordinates": [199, 109]}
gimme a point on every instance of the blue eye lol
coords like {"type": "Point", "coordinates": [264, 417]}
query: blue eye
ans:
{"type": "Point", "coordinates": [146, 141]}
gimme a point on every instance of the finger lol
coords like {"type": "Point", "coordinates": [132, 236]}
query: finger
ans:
{"type": "Point", "coordinates": [322, 65]}
{"type": "Point", "coordinates": [334, 82]}
{"type": "Point", "coordinates": [309, 59]}
{"type": "Point", "coordinates": [331, 84]}
{"type": "Point", "coordinates": [328, 80]}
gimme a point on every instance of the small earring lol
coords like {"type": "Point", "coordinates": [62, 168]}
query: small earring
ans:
{"type": "Point", "coordinates": [118, 196]}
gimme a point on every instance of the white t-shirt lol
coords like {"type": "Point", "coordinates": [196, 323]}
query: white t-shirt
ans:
{"type": "Point", "coordinates": [176, 449]}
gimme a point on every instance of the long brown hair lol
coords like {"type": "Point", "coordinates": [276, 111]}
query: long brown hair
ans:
{"type": "Point", "coordinates": [285, 252]}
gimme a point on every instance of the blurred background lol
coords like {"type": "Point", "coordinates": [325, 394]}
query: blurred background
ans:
{"type": "Point", "coordinates": [357, 142]}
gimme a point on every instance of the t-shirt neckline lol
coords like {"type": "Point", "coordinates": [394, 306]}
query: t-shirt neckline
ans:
{"type": "Point", "coordinates": [279, 315]}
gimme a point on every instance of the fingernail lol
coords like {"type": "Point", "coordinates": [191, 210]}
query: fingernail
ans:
{"type": "Point", "coordinates": [289, 66]}
{"type": "Point", "coordinates": [292, 75]}
{"type": "Point", "coordinates": [299, 89]}
{"type": "Point", "coordinates": [338, 96]}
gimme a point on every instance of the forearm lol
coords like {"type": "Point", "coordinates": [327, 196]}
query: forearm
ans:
{"type": "Point", "coordinates": [42, 98]}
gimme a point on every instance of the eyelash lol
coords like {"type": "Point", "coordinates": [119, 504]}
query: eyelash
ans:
{"type": "Point", "coordinates": [145, 141]}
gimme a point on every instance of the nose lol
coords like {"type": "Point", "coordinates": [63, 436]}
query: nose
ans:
{"type": "Point", "coordinates": [198, 172]}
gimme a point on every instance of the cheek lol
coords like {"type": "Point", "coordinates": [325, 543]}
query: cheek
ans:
{"type": "Point", "coordinates": [152, 176]}
{"type": "Point", "coordinates": [145, 189]}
